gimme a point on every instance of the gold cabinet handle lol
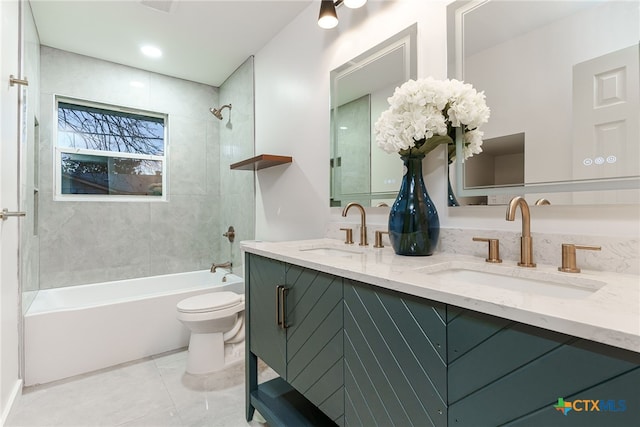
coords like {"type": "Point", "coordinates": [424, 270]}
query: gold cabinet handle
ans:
{"type": "Point", "coordinates": [283, 307]}
{"type": "Point", "coordinates": [569, 256]}
{"type": "Point", "coordinates": [378, 242]}
{"type": "Point", "coordinates": [278, 303]}
{"type": "Point", "coordinates": [348, 236]}
{"type": "Point", "coordinates": [494, 249]}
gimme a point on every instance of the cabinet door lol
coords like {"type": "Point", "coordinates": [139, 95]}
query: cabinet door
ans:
{"type": "Point", "coordinates": [314, 338]}
{"type": "Point", "coordinates": [511, 374]}
{"type": "Point", "coordinates": [267, 339]}
{"type": "Point", "coordinates": [395, 358]}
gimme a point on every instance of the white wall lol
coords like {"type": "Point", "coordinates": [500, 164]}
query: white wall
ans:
{"type": "Point", "coordinates": [292, 104]}
{"type": "Point", "coordinates": [292, 118]}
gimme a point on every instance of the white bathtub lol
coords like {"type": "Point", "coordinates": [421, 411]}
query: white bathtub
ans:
{"type": "Point", "coordinates": [78, 329]}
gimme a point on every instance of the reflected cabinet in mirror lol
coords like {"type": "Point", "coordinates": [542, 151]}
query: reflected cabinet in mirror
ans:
{"type": "Point", "coordinates": [360, 171]}
{"type": "Point", "coordinates": [561, 79]}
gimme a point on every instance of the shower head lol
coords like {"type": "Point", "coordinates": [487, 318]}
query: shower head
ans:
{"type": "Point", "coordinates": [218, 111]}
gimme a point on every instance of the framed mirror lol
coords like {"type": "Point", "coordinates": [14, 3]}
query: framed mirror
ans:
{"type": "Point", "coordinates": [562, 81]}
{"type": "Point", "coordinates": [360, 171]}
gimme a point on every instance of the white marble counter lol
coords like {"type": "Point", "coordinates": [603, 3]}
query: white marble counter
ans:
{"type": "Point", "coordinates": [595, 305]}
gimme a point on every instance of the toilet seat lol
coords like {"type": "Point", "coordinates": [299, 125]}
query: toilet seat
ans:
{"type": "Point", "coordinates": [216, 322]}
{"type": "Point", "coordinates": [205, 303]}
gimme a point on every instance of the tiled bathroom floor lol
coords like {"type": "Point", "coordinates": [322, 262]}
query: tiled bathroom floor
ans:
{"type": "Point", "coordinates": [151, 392]}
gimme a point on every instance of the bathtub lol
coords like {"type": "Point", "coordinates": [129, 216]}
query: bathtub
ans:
{"type": "Point", "coordinates": [78, 329]}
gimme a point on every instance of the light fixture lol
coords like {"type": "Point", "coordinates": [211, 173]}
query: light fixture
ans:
{"type": "Point", "coordinates": [151, 51]}
{"type": "Point", "coordinates": [328, 17]}
{"type": "Point", "coordinates": [354, 4]}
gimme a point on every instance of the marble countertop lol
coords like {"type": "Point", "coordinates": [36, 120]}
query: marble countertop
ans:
{"type": "Point", "coordinates": [599, 306]}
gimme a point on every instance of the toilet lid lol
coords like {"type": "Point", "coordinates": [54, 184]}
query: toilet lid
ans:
{"type": "Point", "coordinates": [209, 302]}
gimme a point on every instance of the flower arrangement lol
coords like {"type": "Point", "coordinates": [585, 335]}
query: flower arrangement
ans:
{"type": "Point", "coordinates": [424, 113]}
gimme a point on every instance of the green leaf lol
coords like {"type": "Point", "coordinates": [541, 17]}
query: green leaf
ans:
{"type": "Point", "coordinates": [426, 146]}
{"type": "Point", "coordinates": [431, 143]}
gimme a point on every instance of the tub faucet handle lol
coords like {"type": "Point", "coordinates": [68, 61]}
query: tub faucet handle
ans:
{"type": "Point", "coordinates": [230, 234]}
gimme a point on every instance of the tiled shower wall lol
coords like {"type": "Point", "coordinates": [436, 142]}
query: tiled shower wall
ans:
{"type": "Point", "coordinates": [237, 200]}
{"type": "Point", "coordinates": [89, 242]}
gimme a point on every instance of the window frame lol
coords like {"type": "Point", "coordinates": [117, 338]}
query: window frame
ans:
{"type": "Point", "coordinates": [58, 152]}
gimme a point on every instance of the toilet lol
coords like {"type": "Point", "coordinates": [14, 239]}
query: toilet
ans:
{"type": "Point", "coordinates": [215, 319]}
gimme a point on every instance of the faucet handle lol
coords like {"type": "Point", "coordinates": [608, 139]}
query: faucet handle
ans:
{"type": "Point", "coordinates": [378, 242]}
{"type": "Point", "coordinates": [569, 256]}
{"type": "Point", "coordinates": [348, 236]}
{"type": "Point", "coordinates": [494, 249]}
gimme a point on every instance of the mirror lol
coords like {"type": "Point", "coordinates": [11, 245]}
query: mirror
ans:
{"type": "Point", "coordinates": [561, 79]}
{"type": "Point", "coordinates": [360, 171]}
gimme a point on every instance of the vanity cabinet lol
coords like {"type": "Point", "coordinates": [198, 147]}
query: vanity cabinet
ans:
{"type": "Point", "coordinates": [296, 327]}
{"type": "Point", "coordinates": [395, 358]}
{"type": "Point", "coordinates": [502, 372]}
{"type": "Point", "coordinates": [267, 338]}
{"type": "Point", "coordinates": [355, 354]}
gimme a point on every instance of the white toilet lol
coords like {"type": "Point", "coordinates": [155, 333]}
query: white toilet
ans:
{"type": "Point", "coordinates": [214, 319]}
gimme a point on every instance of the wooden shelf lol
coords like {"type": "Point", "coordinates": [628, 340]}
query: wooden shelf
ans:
{"type": "Point", "coordinates": [261, 162]}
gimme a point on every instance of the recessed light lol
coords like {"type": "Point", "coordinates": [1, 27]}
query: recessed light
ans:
{"type": "Point", "coordinates": [151, 51]}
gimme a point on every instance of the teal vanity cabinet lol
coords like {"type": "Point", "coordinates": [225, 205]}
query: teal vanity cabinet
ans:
{"type": "Point", "coordinates": [395, 358]}
{"type": "Point", "coordinates": [411, 361]}
{"type": "Point", "coordinates": [295, 327]}
{"type": "Point", "coordinates": [355, 354]}
{"type": "Point", "coordinates": [502, 372]}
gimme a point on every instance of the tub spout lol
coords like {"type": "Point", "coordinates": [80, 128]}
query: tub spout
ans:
{"type": "Point", "coordinates": [227, 264]}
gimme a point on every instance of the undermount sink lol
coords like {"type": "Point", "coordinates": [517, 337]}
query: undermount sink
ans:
{"type": "Point", "coordinates": [545, 284]}
{"type": "Point", "coordinates": [332, 251]}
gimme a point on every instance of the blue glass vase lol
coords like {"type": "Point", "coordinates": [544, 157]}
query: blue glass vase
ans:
{"type": "Point", "coordinates": [451, 197]}
{"type": "Point", "coordinates": [414, 225]}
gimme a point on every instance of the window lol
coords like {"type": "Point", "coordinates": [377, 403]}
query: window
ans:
{"type": "Point", "coordinates": [106, 153]}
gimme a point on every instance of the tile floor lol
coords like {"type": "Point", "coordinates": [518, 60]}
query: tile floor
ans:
{"type": "Point", "coordinates": [153, 392]}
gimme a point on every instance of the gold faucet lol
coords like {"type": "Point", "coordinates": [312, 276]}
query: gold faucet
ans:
{"type": "Point", "coordinates": [363, 220]}
{"type": "Point", "coordinates": [526, 243]}
{"type": "Point", "coordinates": [227, 264]}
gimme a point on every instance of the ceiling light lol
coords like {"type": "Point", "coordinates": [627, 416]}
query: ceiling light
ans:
{"type": "Point", "coordinates": [354, 4]}
{"type": "Point", "coordinates": [151, 51]}
{"type": "Point", "coordinates": [328, 17]}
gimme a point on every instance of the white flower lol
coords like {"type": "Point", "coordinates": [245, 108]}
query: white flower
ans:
{"type": "Point", "coordinates": [472, 143]}
{"type": "Point", "coordinates": [421, 109]}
